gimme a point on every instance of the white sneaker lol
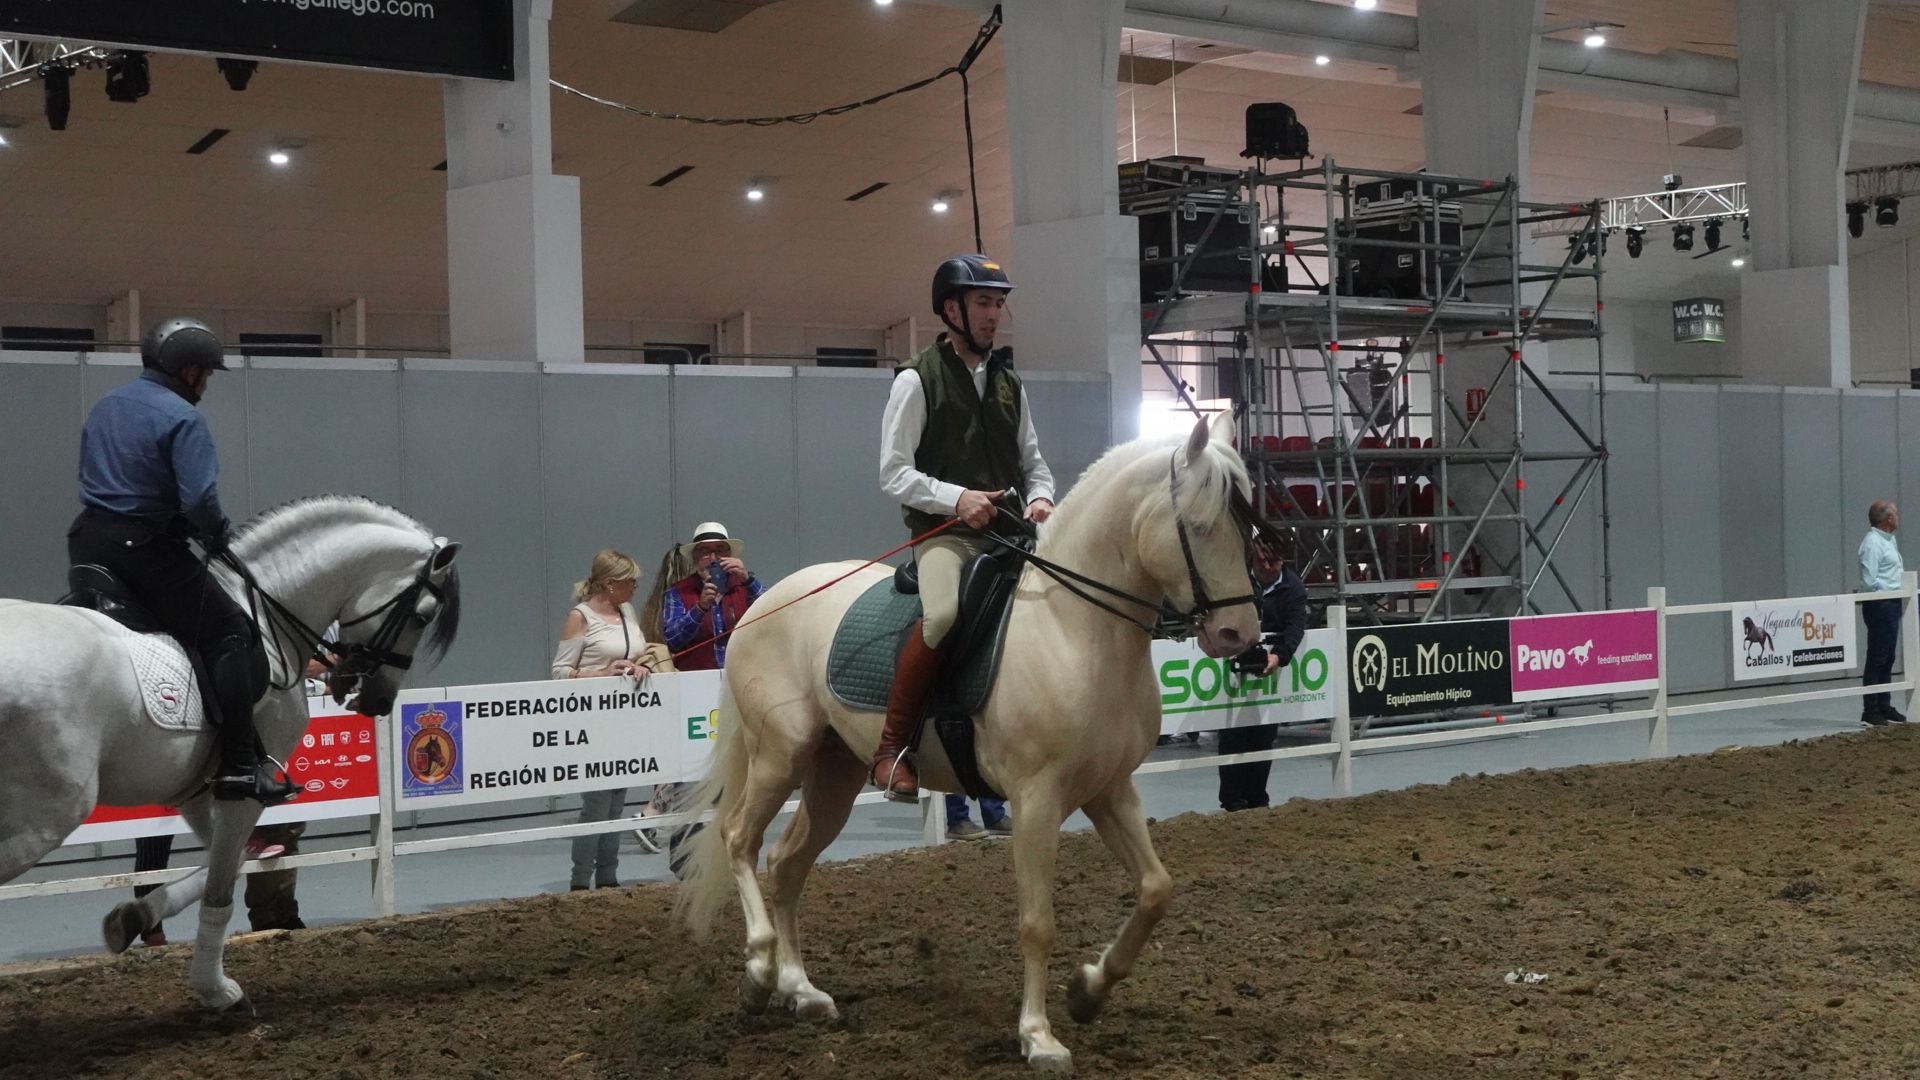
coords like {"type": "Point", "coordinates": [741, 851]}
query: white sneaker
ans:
{"type": "Point", "coordinates": [965, 829]}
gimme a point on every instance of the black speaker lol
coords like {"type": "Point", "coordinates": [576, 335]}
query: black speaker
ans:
{"type": "Point", "coordinates": [1273, 131]}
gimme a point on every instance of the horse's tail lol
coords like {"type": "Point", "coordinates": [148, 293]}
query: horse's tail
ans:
{"type": "Point", "coordinates": [708, 877]}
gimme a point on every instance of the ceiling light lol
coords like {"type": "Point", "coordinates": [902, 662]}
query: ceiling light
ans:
{"type": "Point", "coordinates": [1738, 262]}
{"type": "Point", "coordinates": [1595, 37]}
{"type": "Point", "coordinates": [1683, 237]}
{"type": "Point", "coordinates": [882, 3]}
{"type": "Point", "coordinates": [1886, 211]}
{"type": "Point", "coordinates": [1636, 236]}
{"type": "Point", "coordinates": [1365, 5]}
{"type": "Point", "coordinates": [1856, 219]}
{"type": "Point", "coordinates": [3, 140]}
{"type": "Point", "coordinates": [237, 72]}
{"type": "Point", "coordinates": [756, 193]}
{"type": "Point", "coordinates": [939, 206]}
{"type": "Point", "coordinates": [1270, 229]}
{"type": "Point", "coordinates": [54, 79]}
{"type": "Point", "coordinates": [1713, 234]}
{"type": "Point", "coordinates": [1322, 60]}
{"type": "Point", "coordinates": [279, 157]}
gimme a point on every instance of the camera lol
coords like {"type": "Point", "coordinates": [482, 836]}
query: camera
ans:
{"type": "Point", "coordinates": [1252, 662]}
{"type": "Point", "coordinates": [717, 574]}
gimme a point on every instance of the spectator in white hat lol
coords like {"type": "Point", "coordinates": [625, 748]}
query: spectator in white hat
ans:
{"type": "Point", "coordinates": [710, 601]}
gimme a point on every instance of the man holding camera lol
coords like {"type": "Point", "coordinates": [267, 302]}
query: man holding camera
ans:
{"type": "Point", "coordinates": [710, 601]}
{"type": "Point", "coordinates": [1282, 601]}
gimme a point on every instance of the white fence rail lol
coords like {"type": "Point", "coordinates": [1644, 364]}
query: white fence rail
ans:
{"type": "Point", "coordinates": [1257, 702]}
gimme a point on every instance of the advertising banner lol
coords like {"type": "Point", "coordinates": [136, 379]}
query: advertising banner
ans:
{"type": "Point", "coordinates": [1199, 693]}
{"type": "Point", "coordinates": [334, 767]}
{"type": "Point", "coordinates": [439, 37]}
{"type": "Point", "coordinates": [1792, 637]}
{"type": "Point", "coordinates": [475, 744]}
{"type": "Point", "coordinates": [1426, 667]}
{"type": "Point", "coordinates": [1602, 652]}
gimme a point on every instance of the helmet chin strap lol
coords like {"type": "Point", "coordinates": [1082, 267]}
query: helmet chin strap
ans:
{"type": "Point", "coordinates": [965, 330]}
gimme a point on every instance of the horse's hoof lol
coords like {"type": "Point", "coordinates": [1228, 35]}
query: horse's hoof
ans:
{"type": "Point", "coordinates": [816, 1007]}
{"type": "Point", "coordinates": [753, 996]}
{"type": "Point", "coordinates": [1057, 1060]}
{"type": "Point", "coordinates": [124, 923]}
{"type": "Point", "coordinates": [242, 1009]}
{"type": "Point", "coordinates": [1082, 1003]}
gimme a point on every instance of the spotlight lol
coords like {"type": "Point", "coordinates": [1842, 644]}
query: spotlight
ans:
{"type": "Point", "coordinates": [1746, 228]}
{"type": "Point", "coordinates": [756, 193]}
{"type": "Point", "coordinates": [1856, 219]}
{"type": "Point", "coordinates": [1578, 244]}
{"type": "Point", "coordinates": [1683, 238]}
{"type": "Point", "coordinates": [127, 79]}
{"type": "Point", "coordinates": [3, 140]}
{"type": "Point", "coordinates": [882, 3]}
{"type": "Point", "coordinates": [1713, 234]}
{"type": "Point", "coordinates": [1636, 239]}
{"type": "Point", "coordinates": [1270, 230]}
{"type": "Point", "coordinates": [54, 79]}
{"type": "Point", "coordinates": [238, 72]}
{"type": "Point", "coordinates": [279, 157]}
{"type": "Point", "coordinates": [1322, 60]}
{"type": "Point", "coordinates": [1595, 37]}
{"type": "Point", "coordinates": [1886, 211]}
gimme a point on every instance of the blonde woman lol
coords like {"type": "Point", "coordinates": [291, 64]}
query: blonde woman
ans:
{"type": "Point", "coordinates": [601, 638]}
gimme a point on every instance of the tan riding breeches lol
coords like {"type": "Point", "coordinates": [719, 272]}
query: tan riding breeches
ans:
{"type": "Point", "coordinates": [941, 561]}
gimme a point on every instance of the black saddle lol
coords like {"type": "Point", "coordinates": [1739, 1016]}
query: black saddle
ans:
{"type": "Point", "coordinates": [986, 598]}
{"type": "Point", "coordinates": [96, 589]}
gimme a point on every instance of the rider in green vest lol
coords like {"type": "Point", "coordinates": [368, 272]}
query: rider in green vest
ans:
{"type": "Point", "coordinates": [956, 435]}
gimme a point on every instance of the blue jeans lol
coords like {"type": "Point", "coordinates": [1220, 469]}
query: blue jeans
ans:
{"type": "Point", "coordinates": [1883, 637]}
{"type": "Point", "coordinates": [991, 810]}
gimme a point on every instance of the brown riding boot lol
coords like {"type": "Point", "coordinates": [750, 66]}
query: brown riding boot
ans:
{"type": "Point", "coordinates": [913, 677]}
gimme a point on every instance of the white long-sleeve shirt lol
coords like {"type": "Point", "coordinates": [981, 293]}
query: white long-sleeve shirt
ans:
{"type": "Point", "coordinates": [905, 420]}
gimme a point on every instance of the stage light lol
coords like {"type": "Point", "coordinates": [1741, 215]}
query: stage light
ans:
{"type": "Point", "coordinates": [237, 72]}
{"type": "Point", "coordinates": [1713, 234]}
{"type": "Point", "coordinates": [1856, 219]}
{"type": "Point", "coordinates": [1683, 238]}
{"type": "Point", "coordinates": [127, 78]}
{"type": "Point", "coordinates": [1578, 244]}
{"type": "Point", "coordinates": [55, 78]}
{"type": "Point", "coordinates": [1636, 239]}
{"type": "Point", "coordinates": [1886, 211]}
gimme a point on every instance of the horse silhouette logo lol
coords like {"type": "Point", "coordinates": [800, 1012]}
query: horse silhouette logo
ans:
{"type": "Point", "coordinates": [1755, 635]}
{"type": "Point", "coordinates": [1582, 652]}
{"type": "Point", "coordinates": [431, 744]}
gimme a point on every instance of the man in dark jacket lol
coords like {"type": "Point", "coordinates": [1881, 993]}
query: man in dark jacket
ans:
{"type": "Point", "coordinates": [1282, 601]}
{"type": "Point", "coordinates": [147, 485]}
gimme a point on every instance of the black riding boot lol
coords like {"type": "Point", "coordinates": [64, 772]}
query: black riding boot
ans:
{"type": "Point", "coordinates": [242, 775]}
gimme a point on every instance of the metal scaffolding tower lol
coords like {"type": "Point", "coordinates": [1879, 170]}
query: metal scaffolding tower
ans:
{"type": "Point", "coordinates": [1407, 501]}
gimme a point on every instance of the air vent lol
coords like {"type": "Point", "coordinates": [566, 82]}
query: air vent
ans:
{"type": "Point", "coordinates": [672, 176]}
{"type": "Point", "coordinates": [866, 191]}
{"type": "Point", "coordinates": [206, 141]}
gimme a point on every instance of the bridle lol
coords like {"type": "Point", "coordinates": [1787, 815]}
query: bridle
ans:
{"type": "Point", "coordinates": [351, 662]}
{"type": "Point", "coordinates": [1169, 622]}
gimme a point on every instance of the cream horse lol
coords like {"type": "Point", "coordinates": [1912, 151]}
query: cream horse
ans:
{"type": "Point", "coordinates": [76, 733]}
{"type": "Point", "coordinates": [1074, 711]}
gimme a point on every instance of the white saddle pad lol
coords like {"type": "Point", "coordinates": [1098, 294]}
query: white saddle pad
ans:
{"type": "Point", "coordinates": [167, 686]}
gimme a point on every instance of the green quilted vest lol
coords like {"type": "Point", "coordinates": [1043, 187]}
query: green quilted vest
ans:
{"type": "Point", "coordinates": [967, 441]}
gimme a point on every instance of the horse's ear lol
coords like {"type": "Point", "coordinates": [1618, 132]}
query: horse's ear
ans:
{"type": "Point", "coordinates": [1222, 427]}
{"type": "Point", "coordinates": [1197, 441]}
{"type": "Point", "coordinates": [443, 557]}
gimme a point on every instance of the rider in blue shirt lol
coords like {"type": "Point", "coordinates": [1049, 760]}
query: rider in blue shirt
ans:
{"type": "Point", "coordinates": [148, 475]}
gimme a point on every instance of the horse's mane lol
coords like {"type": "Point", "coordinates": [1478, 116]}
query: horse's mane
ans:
{"type": "Point", "coordinates": [1220, 473]}
{"type": "Point", "coordinates": [289, 523]}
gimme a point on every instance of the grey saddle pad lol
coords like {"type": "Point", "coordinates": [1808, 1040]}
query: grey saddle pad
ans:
{"type": "Point", "coordinates": [867, 644]}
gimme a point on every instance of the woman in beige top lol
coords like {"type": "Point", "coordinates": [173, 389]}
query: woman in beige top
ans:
{"type": "Point", "coordinates": [602, 637]}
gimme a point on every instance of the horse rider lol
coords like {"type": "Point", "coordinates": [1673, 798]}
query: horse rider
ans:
{"type": "Point", "coordinates": [956, 434]}
{"type": "Point", "coordinates": [147, 484]}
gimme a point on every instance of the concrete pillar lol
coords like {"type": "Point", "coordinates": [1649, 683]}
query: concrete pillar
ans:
{"type": "Point", "coordinates": [513, 228]}
{"type": "Point", "coordinates": [1075, 258]}
{"type": "Point", "coordinates": [1479, 65]}
{"type": "Point", "coordinates": [1799, 66]}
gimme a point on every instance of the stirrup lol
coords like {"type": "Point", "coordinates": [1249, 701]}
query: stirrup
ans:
{"type": "Point", "coordinates": [886, 790]}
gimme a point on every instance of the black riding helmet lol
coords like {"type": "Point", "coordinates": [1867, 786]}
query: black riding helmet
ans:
{"type": "Point", "coordinates": [958, 274]}
{"type": "Point", "coordinates": [178, 343]}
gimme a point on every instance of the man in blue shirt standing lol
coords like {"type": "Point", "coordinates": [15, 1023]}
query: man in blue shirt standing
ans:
{"type": "Point", "coordinates": [1881, 570]}
{"type": "Point", "coordinates": [147, 485]}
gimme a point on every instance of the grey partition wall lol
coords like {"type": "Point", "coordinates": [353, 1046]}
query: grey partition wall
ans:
{"type": "Point", "coordinates": [836, 466]}
{"type": "Point", "coordinates": [1689, 509]}
{"type": "Point", "coordinates": [1753, 505]}
{"type": "Point", "coordinates": [1634, 474]}
{"type": "Point", "coordinates": [1070, 415]}
{"type": "Point", "coordinates": [606, 453]}
{"type": "Point", "coordinates": [733, 453]}
{"type": "Point", "coordinates": [1869, 469]}
{"type": "Point", "coordinates": [41, 406]}
{"type": "Point", "coordinates": [322, 430]}
{"type": "Point", "coordinates": [1810, 477]}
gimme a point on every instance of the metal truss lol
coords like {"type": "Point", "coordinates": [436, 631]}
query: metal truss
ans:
{"type": "Point", "coordinates": [1377, 515]}
{"type": "Point", "coordinates": [21, 61]}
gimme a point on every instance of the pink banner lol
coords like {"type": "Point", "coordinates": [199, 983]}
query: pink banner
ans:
{"type": "Point", "coordinates": [1604, 652]}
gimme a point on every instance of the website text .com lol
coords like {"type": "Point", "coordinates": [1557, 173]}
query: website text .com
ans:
{"type": "Point", "coordinates": [410, 9]}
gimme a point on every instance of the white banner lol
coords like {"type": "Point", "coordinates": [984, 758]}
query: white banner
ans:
{"type": "Point", "coordinates": [1199, 693]}
{"type": "Point", "coordinates": [1800, 636]}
